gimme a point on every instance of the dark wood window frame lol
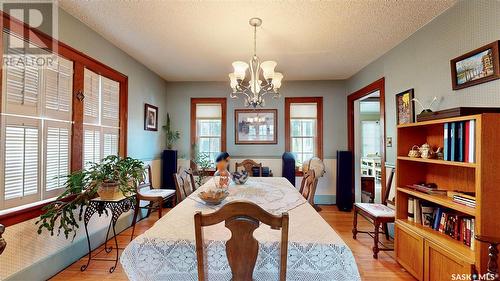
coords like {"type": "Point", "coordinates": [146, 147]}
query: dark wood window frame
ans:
{"type": "Point", "coordinates": [80, 62]}
{"type": "Point", "coordinates": [223, 103]}
{"type": "Point", "coordinates": [319, 138]}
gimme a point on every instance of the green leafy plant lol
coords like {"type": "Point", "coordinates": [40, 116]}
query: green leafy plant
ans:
{"type": "Point", "coordinates": [172, 136]}
{"type": "Point", "coordinates": [202, 163]}
{"type": "Point", "coordinates": [82, 186]}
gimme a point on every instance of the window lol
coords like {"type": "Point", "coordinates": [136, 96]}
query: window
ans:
{"type": "Point", "coordinates": [36, 126]}
{"type": "Point", "coordinates": [100, 117]}
{"type": "Point", "coordinates": [55, 104]}
{"type": "Point", "coordinates": [304, 127]}
{"type": "Point", "coordinates": [208, 126]}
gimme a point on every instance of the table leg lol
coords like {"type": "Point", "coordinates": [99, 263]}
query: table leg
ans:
{"type": "Point", "coordinates": [84, 267]}
{"type": "Point", "coordinates": [108, 250]}
{"type": "Point", "coordinates": [117, 251]}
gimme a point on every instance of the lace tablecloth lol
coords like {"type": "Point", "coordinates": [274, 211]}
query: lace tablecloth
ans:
{"type": "Point", "coordinates": [315, 251]}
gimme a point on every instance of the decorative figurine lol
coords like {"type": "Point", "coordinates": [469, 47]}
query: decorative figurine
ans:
{"type": "Point", "coordinates": [222, 164]}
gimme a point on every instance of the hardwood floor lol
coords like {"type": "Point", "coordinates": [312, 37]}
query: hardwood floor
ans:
{"type": "Point", "coordinates": [385, 268]}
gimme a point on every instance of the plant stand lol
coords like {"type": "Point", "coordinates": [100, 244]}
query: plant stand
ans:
{"type": "Point", "coordinates": [117, 208]}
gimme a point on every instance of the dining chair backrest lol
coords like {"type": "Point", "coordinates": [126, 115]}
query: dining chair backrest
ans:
{"type": "Point", "coordinates": [248, 165]}
{"type": "Point", "coordinates": [308, 186]}
{"type": "Point", "coordinates": [389, 184]}
{"type": "Point", "coordinates": [147, 180]}
{"type": "Point", "coordinates": [241, 218]}
{"type": "Point", "coordinates": [184, 183]}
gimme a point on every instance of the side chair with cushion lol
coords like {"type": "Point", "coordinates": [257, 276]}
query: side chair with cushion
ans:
{"type": "Point", "coordinates": [247, 165]}
{"type": "Point", "coordinates": [378, 214]}
{"type": "Point", "coordinates": [155, 196]}
{"type": "Point", "coordinates": [242, 219]}
{"type": "Point", "coordinates": [184, 183]}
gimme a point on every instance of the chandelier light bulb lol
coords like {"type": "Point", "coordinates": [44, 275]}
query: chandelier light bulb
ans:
{"type": "Point", "coordinates": [277, 80]}
{"type": "Point", "coordinates": [268, 69]}
{"type": "Point", "coordinates": [240, 69]}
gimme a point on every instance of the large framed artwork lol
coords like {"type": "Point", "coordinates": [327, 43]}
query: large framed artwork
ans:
{"type": "Point", "coordinates": [257, 126]}
{"type": "Point", "coordinates": [150, 117]}
{"type": "Point", "coordinates": [475, 67]}
{"type": "Point", "coordinates": [405, 110]}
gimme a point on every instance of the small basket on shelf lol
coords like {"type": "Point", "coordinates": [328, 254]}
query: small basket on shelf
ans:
{"type": "Point", "coordinates": [414, 152]}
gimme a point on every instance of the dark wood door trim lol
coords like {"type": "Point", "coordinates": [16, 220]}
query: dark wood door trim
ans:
{"type": "Point", "coordinates": [378, 85]}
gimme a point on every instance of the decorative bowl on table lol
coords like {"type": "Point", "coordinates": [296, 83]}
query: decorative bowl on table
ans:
{"type": "Point", "coordinates": [213, 197]}
{"type": "Point", "coordinates": [240, 177]}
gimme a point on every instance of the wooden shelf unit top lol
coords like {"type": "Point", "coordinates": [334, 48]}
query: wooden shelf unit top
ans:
{"type": "Point", "coordinates": [439, 162]}
{"type": "Point", "coordinates": [442, 200]}
{"type": "Point", "coordinates": [441, 121]}
{"type": "Point", "coordinates": [457, 247]}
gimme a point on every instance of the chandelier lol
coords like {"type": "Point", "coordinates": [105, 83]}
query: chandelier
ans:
{"type": "Point", "coordinates": [254, 90]}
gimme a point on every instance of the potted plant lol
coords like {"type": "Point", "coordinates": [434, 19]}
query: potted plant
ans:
{"type": "Point", "coordinates": [169, 156]}
{"type": "Point", "coordinates": [114, 177]}
{"type": "Point", "coordinates": [202, 164]}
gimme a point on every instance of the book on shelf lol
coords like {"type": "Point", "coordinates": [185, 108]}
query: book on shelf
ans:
{"type": "Point", "coordinates": [465, 198]}
{"type": "Point", "coordinates": [459, 141]}
{"type": "Point", "coordinates": [411, 209]}
{"type": "Point", "coordinates": [432, 190]}
{"type": "Point", "coordinates": [453, 224]}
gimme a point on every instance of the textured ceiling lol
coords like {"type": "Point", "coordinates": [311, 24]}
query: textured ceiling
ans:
{"type": "Point", "coordinates": [310, 40]}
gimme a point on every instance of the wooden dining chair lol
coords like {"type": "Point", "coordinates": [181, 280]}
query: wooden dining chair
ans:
{"type": "Point", "coordinates": [184, 183]}
{"type": "Point", "coordinates": [377, 213]}
{"type": "Point", "coordinates": [248, 165]}
{"type": "Point", "coordinates": [308, 186]}
{"type": "Point", "coordinates": [155, 196]}
{"type": "Point", "coordinates": [241, 218]}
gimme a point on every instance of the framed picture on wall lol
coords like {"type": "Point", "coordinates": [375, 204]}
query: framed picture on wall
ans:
{"type": "Point", "coordinates": [405, 109]}
{"type": "Point", "coordinates": [150, 117]}
{"type": "Point", "coordinates": [257, 126]}
{"type": "Point", "coordinates": [475, 67]}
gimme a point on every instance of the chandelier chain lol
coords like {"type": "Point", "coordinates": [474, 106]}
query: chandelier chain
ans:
{"type": "Point", "coordinates": [255, 41]}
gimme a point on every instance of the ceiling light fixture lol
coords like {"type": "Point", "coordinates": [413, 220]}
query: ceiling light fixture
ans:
{"type": "Point", "coordinates": [254, 90]}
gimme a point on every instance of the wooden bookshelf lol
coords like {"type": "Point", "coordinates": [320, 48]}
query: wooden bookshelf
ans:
{"type": "Point", "coordinates": [434, 255]}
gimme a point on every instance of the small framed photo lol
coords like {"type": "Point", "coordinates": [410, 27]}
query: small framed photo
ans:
{"type": "Point", "coordinates": [257, 126]}
{"type": "Point", "coordinates": [475, 67]}
{"type": "Point", "coordinates": [405, 109]}
{"type": "Point", "coordinates": [150, 117]}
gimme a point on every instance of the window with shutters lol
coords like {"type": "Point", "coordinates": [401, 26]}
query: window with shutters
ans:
{"type": "Point", "coordinates": [303, 127]}
{"type": "Point", "coordinates": [46, 131]}
{"type": "Point", "coordinates": [208, 126]}
{"type": "Point", "coordinates": [35, 127]}
{"type": "Point", "coordinates": [101, 117]}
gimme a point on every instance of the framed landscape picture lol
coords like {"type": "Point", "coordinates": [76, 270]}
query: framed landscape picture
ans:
{"type": "Point", "coordinates": [150, 117]}
{"type": "Point", "coordinates": [475, 67]}
{"type": "Point", "coordinates": [405, 111]}
{"type": "Point", "coordinates": [257, 126]}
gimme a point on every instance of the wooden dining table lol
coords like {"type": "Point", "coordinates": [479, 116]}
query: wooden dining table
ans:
{"type": "Point", "coordinates": [315, 251]}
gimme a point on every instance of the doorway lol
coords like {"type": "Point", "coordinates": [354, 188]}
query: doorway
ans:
{"type": "Point", "coordinates": [366, 140]}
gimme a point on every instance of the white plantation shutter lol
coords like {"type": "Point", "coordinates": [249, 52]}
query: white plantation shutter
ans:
{"type": "Point", "coordinates": [110, 102]}
{"type": "Point", "coordinates": [22, 87]}
{"type": "Point", "coordinates": [91, 144]}
{"type": "Point", "coordinates": [110, 141]}
{"type": "Point", "coordinates": [57, 155]}
{"type": "Point", "coordinates": [21, 161]}
{"type": "Point", "coordinates": [58, 87]}
{"type": "Point", "coordinates": [91, 100]}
